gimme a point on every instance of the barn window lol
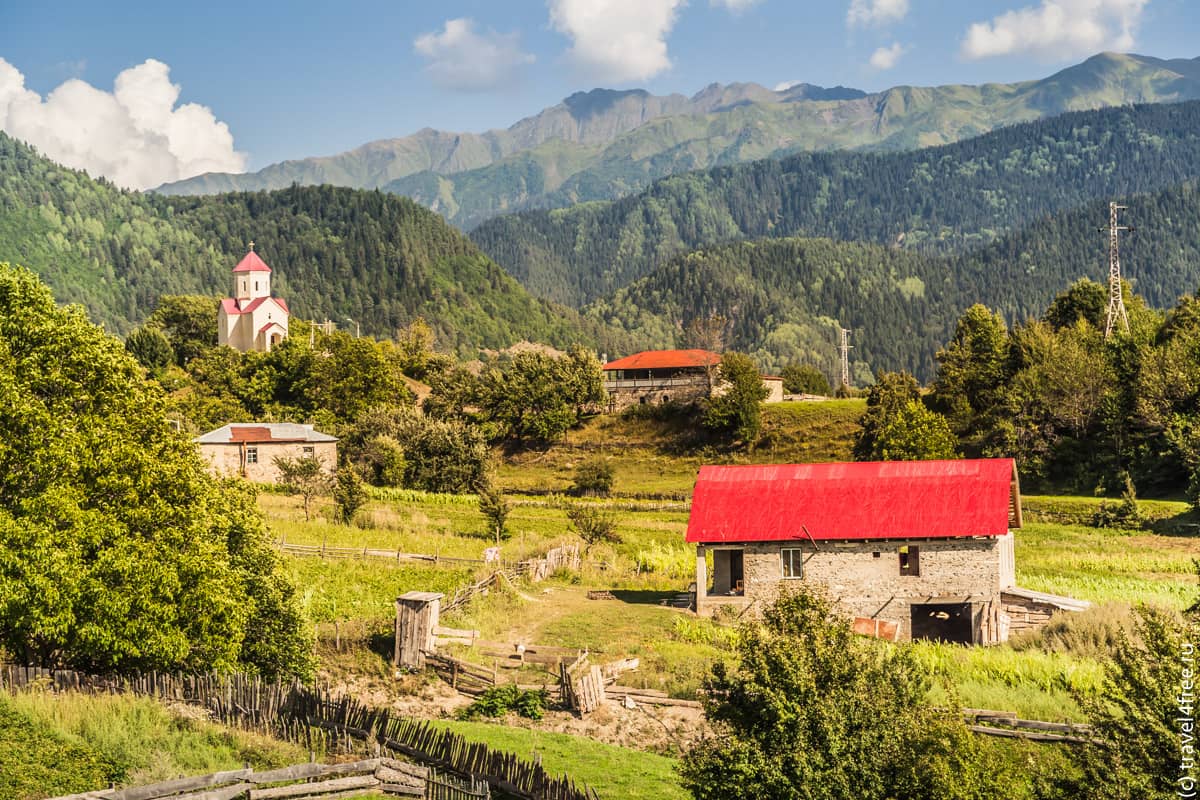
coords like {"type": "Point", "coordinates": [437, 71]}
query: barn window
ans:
{"type": "Point", "coordinates": [793, 562]}
{"type": "Point", "coordinates": [910, 560]}
{"type": "Point", "coordinates": [251, 455]}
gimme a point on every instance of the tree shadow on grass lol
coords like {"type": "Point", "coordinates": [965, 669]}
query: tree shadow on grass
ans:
{"type": "Point", "coordinates": [643, 597]}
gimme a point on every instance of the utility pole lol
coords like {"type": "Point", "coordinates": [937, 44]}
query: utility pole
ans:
{"type": "Point", "coordinates": [1116, 303]}
{"type": "Point", "coordinates": [845, 356]}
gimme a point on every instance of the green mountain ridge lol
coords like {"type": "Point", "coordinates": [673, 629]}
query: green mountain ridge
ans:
{"type": "Point", "coordinates": [603, 145]}
{"type": "Point", "coordinates": [786, 297]}
{"type": "Point", "coordinates": [378, 259]}
{"type": "Point", "coordinates": [960, 195]}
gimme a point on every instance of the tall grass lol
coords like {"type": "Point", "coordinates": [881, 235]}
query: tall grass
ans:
{"type": "Point", "coordinates": [134, 740]}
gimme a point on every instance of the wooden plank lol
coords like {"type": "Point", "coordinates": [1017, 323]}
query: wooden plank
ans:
{"type": "Point", "coordinates": [418, 771]}
{"type": "Point", "coordinates": [356, 782]}
{"type": "Point", "coordinates": [226, 793]}
{"type": "Point", "coordinates": [402, 789]}
{"type": "Point", "coordinates": [301, 771]}
{"type": "Point", "coordinates": [166, 788]}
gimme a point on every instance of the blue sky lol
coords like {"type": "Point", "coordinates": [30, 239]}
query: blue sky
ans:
{"type": "Point", "coordinates": [295, 79]}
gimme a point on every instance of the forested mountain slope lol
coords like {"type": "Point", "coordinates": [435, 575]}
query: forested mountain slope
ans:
{"type": "Point", "coordinates": [379, 259]}
{"type": "Point", "coordinates": [603, 144]}
{"type": "Point", "coordinates": [950, 197]}
{"type": "Point", "coordinates": [785, 297]}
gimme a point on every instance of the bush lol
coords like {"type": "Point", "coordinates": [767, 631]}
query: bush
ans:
{"type": "Point", "coordinates": [804, 379]}
{"type": "Point", "coordinates": [349, 494]}
{"type": "Point", "coordinates": [500, 700]}
{"type": "Point", "coordinates": [593, 524]}
{"type": "Point", "coordinates": [1124, 514]}
{"type": "Point", "coordinates": [495, 509]}
{"type": "Point", "coordinates": [594, 477]}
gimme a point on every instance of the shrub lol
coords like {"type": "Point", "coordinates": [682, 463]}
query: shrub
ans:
{"type": "Point", "coordinates": [495, 509]}
{"type": "Point", "coordinates": [1124, 514]}
{"type": "Point", "coordinates": [593, 524]}
{"type": "Point", "coordinates": [500, 700]}
{"type": "Point", "coordinates": [349, 494]}
{"type": "Point", "coordinates": [594, 477]}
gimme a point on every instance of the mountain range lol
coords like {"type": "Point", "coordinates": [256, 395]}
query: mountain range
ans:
{"type": "Point", "coordinates": [606, 144]}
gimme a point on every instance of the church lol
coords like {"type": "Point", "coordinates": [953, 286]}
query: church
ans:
{"type": "Point", "coordinates": [252, 319]}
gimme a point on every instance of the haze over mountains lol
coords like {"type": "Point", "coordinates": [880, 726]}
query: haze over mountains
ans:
{"type": "Point", "coordinates": [605, 144]}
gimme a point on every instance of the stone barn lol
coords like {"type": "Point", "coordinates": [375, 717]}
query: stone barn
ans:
{"type": "Point", "coordinates": [670, 376]}
{"type": "Point", "coordinates": [250, 450]}
{"type": "Point", "coordinates": [908, 549]}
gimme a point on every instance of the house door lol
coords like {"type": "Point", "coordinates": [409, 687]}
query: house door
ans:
{"type": "Point", "coordinates": [943, 622]}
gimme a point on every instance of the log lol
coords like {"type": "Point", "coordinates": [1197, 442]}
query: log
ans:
{"type": "Point", "coordinates": [417, 771]}
{"type": "Point", "coordinates": [385, 775]}
{"type": "Point", "coordinates": [225, 793]}
{"type": "Point", "coordinates": [614, 689]}
{"type": "Point", "coordinates": [402, 789]}
{"type": "Point", "coordinates": [301, 771]}
{"type": "Point", "coordinates": [179, 785]}
{"type": "Point", "coordinates": [357, 782]}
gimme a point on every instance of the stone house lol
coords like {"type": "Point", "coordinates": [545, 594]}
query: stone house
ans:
{"type": "Point", "coordinates": [252, 319]}
{"type": "Point", "coordinates": [908, 550]}
{"type": "Point", "coordinates": [250, 450]}
{"type": "Point", "coordinates": [664, 376]}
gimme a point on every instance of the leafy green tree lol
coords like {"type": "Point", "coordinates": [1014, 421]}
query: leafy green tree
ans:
{"type": "Point", "coordinates": [536, 397]}
{"type": "Point", "coordinates": [443, 456]}
{"type": "Point", "coordinates": [189, 322]}
{"type": "Point", "coordinates": [118, 551]}
{"type": "Point", "coordinates": [805, 379]}
{"type": "Point", "coordinates": [593, 524]}
{"type": "Point", "coordinates": [1084, 300]}
{"type": "Point", "coordinates": [972, 369]}
{"type": "Point", "coordinates": [416, 351]}
{"type": "Point", "coordinates": [890, 394]}
{"type": "Point", "coordinates": [1135, 753]}
{"type": "Point", "coordinates": [813, 712]}
{"type": "Point", "coordinates": [349, 494]}
{"type": "Point", "coordinates": [735, 407]}
{"type": "Point", "coordinates": [916, 434]}
{"type": "Point", "coordinates": [151, 348]}
{"type": "Point", "coordinates": [495, 509]}
{"type": "Point", "coordinates": [305, 476]}
{"type": "Point", "coordinates": [594, 477]}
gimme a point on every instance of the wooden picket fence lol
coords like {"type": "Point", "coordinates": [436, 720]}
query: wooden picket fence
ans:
{"type": "Point", "coordinates": [317, 719]}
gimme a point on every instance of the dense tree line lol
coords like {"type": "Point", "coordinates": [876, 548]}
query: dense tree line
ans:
{"type": "Point", "coordinates": [784, 297]}
{"type": "Point", "coordinates": [960, 195]}
{"type": "Point", "coordinates": [378, 259]}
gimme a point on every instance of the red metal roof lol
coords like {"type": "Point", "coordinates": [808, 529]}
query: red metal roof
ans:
{"type": "Point", "coordinates": [870, 500]}
{"type": "Point", "coordinates": [259, 433]}
{"type": "Point", "coordinates": [252, 263]}
{"type": "Point", "coordinates": [665, 359]}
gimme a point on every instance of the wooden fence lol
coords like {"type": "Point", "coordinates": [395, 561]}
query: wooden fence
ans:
{"type": "Point", "coordinates": [316, 719]}
{"type": "Point", "coordinates": [374, 775]}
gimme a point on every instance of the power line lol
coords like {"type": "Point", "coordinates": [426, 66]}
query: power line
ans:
{"type": "Point", "coordinates": [1116, 301]}
{"type": "Point", "coordinates": [845, 356]}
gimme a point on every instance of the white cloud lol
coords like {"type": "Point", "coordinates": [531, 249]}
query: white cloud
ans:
{"type": "Point", "coordinates": [1056, 29]}
{"type": "Point", "coordinates": [876, 12]}
{"type": "Point", "coordinates": [783, 86]}
{"type": "Point", "coordinates": [135, 136]}
{"type": "Point", "coordinates": [886, 57]}
{"type": "Point", "coordinates": [617, 40]}
{"type": "Point", "coordinates": [736, 6]}
{"type": "Point", "coordinates": [460, 58]}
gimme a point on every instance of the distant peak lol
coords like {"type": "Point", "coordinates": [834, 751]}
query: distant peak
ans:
{"type": "Point", "coordinates": [597, 101]}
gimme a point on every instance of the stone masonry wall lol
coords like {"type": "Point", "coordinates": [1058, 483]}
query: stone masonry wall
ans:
{"type": "Point", "coordinates": [225, 459]}
{"type": "Point", "coordinates": [864, 585]}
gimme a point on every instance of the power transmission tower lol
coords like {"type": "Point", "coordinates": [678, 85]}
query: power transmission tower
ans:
{"type": "Point", "coordinates": [1116, 302]}
{"type": "Point", "coordinates": [845, 356]}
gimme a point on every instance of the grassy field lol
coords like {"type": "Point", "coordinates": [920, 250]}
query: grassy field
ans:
{"type": "Point", "coordinates": [57, 744]}
{"type": "Point", "coordinates": [616, 772]}
{"type": "Point", "coordinates": [648, 462]}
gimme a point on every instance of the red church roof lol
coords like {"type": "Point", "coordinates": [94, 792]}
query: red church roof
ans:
{"type": "Point", "coordinates": [231, 305]}
{"type": "Point", "coordinates": [252, 263]}
{"type": "Point", "coordinates": [873, 500]}
{"type": "Point", "coordinates": [665, 359]}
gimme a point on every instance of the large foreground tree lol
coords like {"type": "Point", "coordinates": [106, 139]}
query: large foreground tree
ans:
{"type": "Point", "coordinates": [117, 550]}
{"type": "Point", "coordinates": [813, 712]}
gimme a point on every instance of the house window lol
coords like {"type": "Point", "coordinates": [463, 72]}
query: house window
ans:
{"type": "Point", "coordinates": [251, 455]}
{"type": "Point", "coordinates": [793, 562]}
{"type": "Point", "coordinates": [308, 451]}
{"type": "Point", "coordinates": [256, 286]}
{"type": "Point", "coordinates": [910, 560]}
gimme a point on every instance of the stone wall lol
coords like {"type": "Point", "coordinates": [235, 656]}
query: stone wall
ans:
{"type": "Point", "coordinates": [226, 459]}
{"type": "Point", "coordinates": [864, 577]}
